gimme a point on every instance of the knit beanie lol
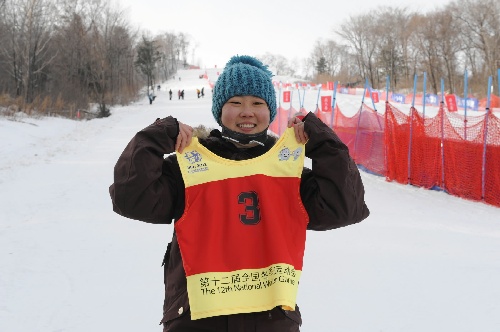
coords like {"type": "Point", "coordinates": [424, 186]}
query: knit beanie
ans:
{"type": "Point", "coordinates": [243, 76]}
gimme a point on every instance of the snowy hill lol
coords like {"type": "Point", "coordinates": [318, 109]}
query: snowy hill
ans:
{"type": "Point", "coordinates": [423, 261]}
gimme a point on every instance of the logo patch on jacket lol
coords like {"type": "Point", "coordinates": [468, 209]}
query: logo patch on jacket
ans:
{"type": "Point", "coordinates": [285, 153]}
{"type": "Point", "coordinates": [194, 158]}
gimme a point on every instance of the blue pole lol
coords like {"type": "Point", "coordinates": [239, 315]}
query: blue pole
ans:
{"type": "Point", "coordinates": [279, 92]}
{"type": "Point", "coordinates": [373, 103]}
{"type": "Point", "coordinates": [279, 117]}
{"type": "Point", "coordinates": [387, 87]}
{"type": "Point", "coordinates": [465, 103]}
{"type": "Point", "coordinates": [410, 143]}
{"type": "Point", "coordinates": [303, 98]}
{"type": "Point", "coordinates": [364, 92]}
{"type": "Point", "coordinates": [425, 90]}
{"type": "Point", "coordinates": [488, 98]}
{"type": "Point", "coordinates": [334, 102]}
{"type": "Point", "coordinates": [359, 120]}
{"type": "Point", "coordinates": [317, 98]}
{"type": "Point", "coordinates": [466, 81]}
{"type": "Point", "coordinates": [442, 134]}
{"type": "Point", "coordinates": [300, 102]}
{"type": "Point", "coordinates": [485, 138]}
{"type": "Point", "coordinates": [498, 81]}
{"type": "Point", "coordinates": [375, 108]}
{"type": "Point", "coordinates": [442, 90]}
{"type": "Point", "coordinates": [411, 127]}
{"type": "Point", "coordinates": [414, 90]}
{"type": "Point", "coordinates": [387, 82]}
{"type": "Point", "coordinates": [357, 131]}
{"type": "Point", "coordinates": [290, 108]}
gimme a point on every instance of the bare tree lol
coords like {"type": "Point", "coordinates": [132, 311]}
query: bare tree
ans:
{"type": "Point", "coordinates": [334, 55]}
{"type": "Point", "coordinates": [308, 67]}
{"type": "Point", "coordinates": [4, 53]}
{"type": "Point", "coordinates": [361, 37]}
{"type": "Point", "coordinates": [29, 32]}
{"type": "Point", "coordinates": [294, 66]}
{"type": "Point", "coordinates": [182, 47]}
{"type": "Point", "coordinates": [450, 45]}
{"type": "Point", "coordinates": [392, 37]}
{"type": "Point", "coordinates": [70, 70]}
{"type": "Point", "coordinates": [168, 46]}
{"type": "Point", "coordinates": [428, 41]}
{"type": "Point", "coordinates": [77, 52]}
{"type": "Point", "coordinates": [147, 57]}
{"type": "Point", "coordinates": [95, 61]}
{"type": "Point", "coordinates": [481, 27]}
{"type": "Point", "coordinates": [277, 63]}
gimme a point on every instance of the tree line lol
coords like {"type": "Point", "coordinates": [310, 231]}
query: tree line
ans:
{"type": "Point", "coordinates": [67, 55]}
{"type": "Point", "coordinates": [463, 35]}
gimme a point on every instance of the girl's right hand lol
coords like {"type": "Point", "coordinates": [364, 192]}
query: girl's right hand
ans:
{"type": "Point", "coordinates": [184, 137]}
{"type": "Point", "coordinates": [298, 127]}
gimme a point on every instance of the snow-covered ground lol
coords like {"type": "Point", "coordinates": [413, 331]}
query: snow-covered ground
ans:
{"type": "Point", "coordinates": [423, 261]}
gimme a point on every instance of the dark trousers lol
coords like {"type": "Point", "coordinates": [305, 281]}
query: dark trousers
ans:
{"type": "Point", "coordinates": [276, 320]}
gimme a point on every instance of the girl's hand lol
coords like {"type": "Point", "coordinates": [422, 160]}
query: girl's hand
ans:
{"type": "Point", "coordinates": [298, 127]}
{"type": "Point", "coordinates": [184, 137]}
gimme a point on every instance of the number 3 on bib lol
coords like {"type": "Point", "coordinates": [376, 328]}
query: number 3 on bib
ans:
{"type": "Point", "coordinates": [252, 211]}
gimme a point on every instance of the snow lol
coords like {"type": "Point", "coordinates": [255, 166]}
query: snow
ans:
{"type": "Point", "coordinates": [424, 261]}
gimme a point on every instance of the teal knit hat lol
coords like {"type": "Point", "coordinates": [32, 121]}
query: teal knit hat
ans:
{"type": "Point", "coordinates": [243, 76]}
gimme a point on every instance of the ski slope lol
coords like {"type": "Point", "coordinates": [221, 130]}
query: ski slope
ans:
{"type": "Point", "coordinates": [423, 261]}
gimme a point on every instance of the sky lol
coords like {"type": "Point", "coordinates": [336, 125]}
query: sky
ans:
{"type": "Point", "coordinates": [220, 29]}
{"type": "Point", "coordinates": [423, 261]}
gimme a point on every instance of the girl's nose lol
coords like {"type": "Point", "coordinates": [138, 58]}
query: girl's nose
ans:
{"type": "Point", "coordinates": [246, 111]}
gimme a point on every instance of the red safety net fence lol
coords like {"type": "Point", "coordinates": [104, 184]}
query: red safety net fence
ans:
{"type": "Point", "coordinates": [448, 151]}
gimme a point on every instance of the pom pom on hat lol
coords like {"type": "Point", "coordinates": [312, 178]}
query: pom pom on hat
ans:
{"type": "Point", "coordinates": [243, 76]}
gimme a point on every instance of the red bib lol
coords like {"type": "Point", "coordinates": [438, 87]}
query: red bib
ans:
{"type": "Point", "coordinates": [243, 231]}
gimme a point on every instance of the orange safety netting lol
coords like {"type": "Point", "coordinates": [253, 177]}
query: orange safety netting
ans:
{"type": "Point", "coordinates": [458, 154]}
{"type": "Point", "coordinates": [494, 102]}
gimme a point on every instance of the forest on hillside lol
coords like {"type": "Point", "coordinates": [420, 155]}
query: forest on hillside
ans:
{"type": "Point", "coordinates": [63, 56]}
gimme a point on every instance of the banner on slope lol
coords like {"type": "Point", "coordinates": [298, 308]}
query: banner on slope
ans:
{"type": "Point", "coordinates": [451, 103]}
{"type": "Point", "coordinates": [286, 96]}
{"type": "Point", "coordinates": [326, 103]}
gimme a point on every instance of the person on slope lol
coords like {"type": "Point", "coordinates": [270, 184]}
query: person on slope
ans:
{"type": "Point", "coordinates": [241, 201]}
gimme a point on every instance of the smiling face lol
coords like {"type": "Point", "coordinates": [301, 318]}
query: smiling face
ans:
{"type": "Point", "coordinates": [246, 114]}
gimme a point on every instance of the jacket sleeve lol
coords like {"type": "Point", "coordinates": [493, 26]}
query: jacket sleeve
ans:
{"type": "Point", "coordinates": [332, 192]}
{"type": "Point", "coordinates": [146, 185]}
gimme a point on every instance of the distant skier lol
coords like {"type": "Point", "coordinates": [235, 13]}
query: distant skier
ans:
{"type": "Point", "coordinates": [151, 98]}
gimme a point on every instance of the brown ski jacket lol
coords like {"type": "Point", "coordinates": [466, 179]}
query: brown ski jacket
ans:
{"type": "Point", "coordinates": [149, 187]}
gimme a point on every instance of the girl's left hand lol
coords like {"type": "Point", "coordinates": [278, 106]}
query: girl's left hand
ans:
{"type": "Point", "coordinates": [298, 127]}
{"type": "Point", "coordinates": [184, 138]}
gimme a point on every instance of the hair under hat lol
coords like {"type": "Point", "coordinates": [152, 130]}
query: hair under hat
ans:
{"type": "Point", "coordinates": [243, 76]}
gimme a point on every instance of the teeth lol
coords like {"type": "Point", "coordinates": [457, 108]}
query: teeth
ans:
{"type": "Point", "coordinates": [246, 125]}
